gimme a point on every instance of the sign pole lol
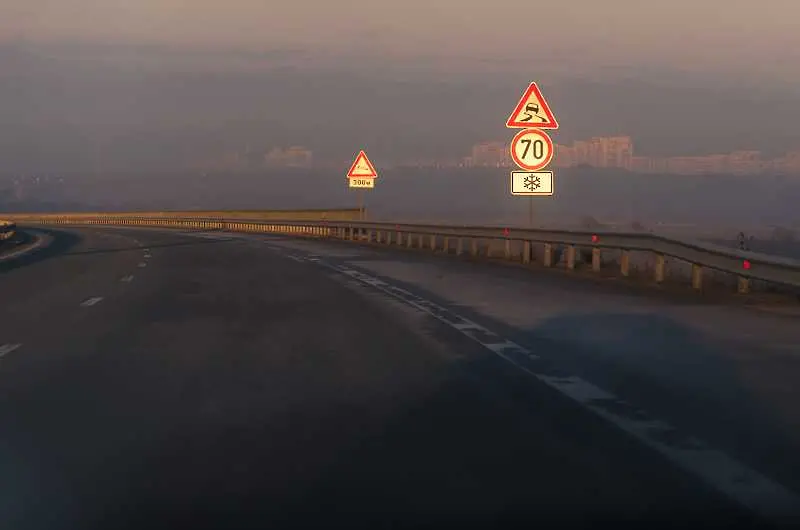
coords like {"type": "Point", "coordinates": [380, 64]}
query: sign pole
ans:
{"type": "Point", "coordinates": [362, 175]}
{"type": "Point", "coordinates": [530, 212]}
{"type": "Point", "coordinates": [532, 148]}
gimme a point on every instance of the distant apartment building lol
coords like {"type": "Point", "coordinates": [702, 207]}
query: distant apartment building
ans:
{"type": "Point", "coordinates": [789, 163]}
{"type": "Point", "coordinates": [613, 151]}
{"type": "Point", "coordinates": [295, 156]}
{"type": "Point", "coordinates": [490, 154]}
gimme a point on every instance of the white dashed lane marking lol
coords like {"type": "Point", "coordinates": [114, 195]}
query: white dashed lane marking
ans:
{"type": "Point", "coordinates": [142, 265]}
{"type": "Point", "coordinates": [5, 349]}
{"type": "Point", "coordinates": [147, 256]}
{"type": "Point", "coordinates": [728, 476]}
{"type": "Point", "coordinates": [91, 301]}
{"type": "Point", "coordinates": [127, 279]}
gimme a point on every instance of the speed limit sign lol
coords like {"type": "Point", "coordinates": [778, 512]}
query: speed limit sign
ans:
{"type": "Point", "coordinates": [532, 149]}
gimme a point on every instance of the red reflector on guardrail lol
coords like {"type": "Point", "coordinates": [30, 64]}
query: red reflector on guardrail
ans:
{"type": "Point", "coordinates": [595, 239]}
{"type": "Point", "coordinates": [746, 264]}
{"type": "Point", "coordinates": [505, 232]}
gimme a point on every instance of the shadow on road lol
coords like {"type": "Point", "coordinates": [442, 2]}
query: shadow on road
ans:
{"type": "Point", "coordinates": [61, 243]}
{"type": "Point", "coordinates": [738, 397]}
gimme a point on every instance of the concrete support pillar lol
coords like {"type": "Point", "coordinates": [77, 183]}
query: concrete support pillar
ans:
{"type": "Point", "coordinates": [596, 259]}
{"type": "Point", "coordinates": [526, 252]}
{"type": "Point", "coordinates": [744, 285]}
{"type": "Point", "coordinates": [571, 257]}
{"type": "Point", "coordinates": [625, 263]}
{"type": "Point", "coordinates": [548, 255]}
{"type": "Point", "coordinates": [661, 267]}
{"type": "Point", "coordinates": [697, 276]}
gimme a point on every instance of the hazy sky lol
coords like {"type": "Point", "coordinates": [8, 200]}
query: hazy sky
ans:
{"type": "Point", "coordinates": [141, 81]}
{"type": "Point", "coordinates": [738, 36]}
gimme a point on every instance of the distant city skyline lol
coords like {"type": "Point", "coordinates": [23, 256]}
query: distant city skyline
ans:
{"type": "Point", "coordinates": [618, 152]}
{"type": "Point", "coordinates": [598, 151]}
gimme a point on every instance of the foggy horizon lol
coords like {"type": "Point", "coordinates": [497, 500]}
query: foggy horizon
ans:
{"type": "Point", "coordinates": [98, 89]}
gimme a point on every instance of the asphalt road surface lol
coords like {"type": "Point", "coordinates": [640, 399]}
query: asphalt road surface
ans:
{"type": "Point", "coordinates": [165, 380]}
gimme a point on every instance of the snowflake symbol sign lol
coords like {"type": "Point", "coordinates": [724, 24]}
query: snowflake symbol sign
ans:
{"type": "Point", "coordinates": [532, 183]}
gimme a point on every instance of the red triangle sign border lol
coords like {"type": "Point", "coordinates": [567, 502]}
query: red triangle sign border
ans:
{"type": "Point", "coordinates": [533, 88]}
{"type": "Point", "coordinates": [362, 156]}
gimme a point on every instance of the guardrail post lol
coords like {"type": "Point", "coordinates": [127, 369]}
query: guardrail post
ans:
{"type": "Point", "coordinates": [388, 237]}
{"type": "Point", "coordinates": [697, 276]}
{"type": "Point", "coordinates": [548, 255]}
{"type": "Point", "coordinates": [446, 245]}
{"type": "Point", "coordinates": [507, 250]}
{"type": "Point", "coordinates": [625, 263]}
{"type": "Point", "coordinates": [526, 252]}
{"type": "Point", "coordinates": [661, 266]}
{"type": "Point", "coordinates": [571, 257]}
{"type": "Point", "coordinates": [409, 240]}
{"type": "Point", "coordinates": [596, 259]}
{"type": "Point", "coordinates": [399, 237]}
{"type": "Point", "coordinates": [378, 236]}
{"type": "Point", "coordinates": [459, 246]}
{"type": "Point", "coordinates": [474, 246]}
{"type": "Point", "coordinates": [433, 241]}
{"type": "Point", "coordinates": [744, 285]}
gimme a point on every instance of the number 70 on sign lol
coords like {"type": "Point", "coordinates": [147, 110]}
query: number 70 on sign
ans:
{"type": "Point", "coordinates": [532, 149]}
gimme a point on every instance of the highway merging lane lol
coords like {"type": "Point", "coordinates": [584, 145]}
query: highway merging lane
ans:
{"type": "Point", "coordinates": [159, 378]}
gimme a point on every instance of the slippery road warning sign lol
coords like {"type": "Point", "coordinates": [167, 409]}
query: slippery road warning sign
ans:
{"type": "Point", "coordinates": [362, 167]}
{"type": "Point", "coordinates": [532, 112]}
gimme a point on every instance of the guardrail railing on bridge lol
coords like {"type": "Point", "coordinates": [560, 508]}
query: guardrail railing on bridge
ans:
{"type": "Point", "coordinates": [516, 244]}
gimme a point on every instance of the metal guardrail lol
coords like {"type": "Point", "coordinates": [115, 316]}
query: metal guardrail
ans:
{"type": "Point", "coordinates": [744, 265]}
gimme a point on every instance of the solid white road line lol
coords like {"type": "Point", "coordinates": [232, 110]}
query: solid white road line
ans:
{"type": "Point", "coordinates": [5, 349]}
{"type": "Point", "coordinates": [89, 302]}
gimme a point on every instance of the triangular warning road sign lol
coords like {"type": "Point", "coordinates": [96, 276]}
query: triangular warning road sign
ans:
{"type": "Point", "coordinates": [362, 167]}
{"type": "Point", "coordinates": [532, 112]}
